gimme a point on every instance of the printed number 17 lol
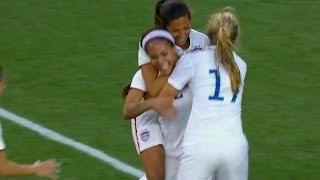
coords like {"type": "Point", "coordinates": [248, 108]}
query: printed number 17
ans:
{"type": "Point", "coordinates": [217, 96]}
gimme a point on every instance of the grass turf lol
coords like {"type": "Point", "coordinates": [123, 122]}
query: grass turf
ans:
{"type": "Point", "coordinates": [67, 61]}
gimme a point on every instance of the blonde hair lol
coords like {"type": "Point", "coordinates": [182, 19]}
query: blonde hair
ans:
{"type": "Point", "coordinates": [223, 30]}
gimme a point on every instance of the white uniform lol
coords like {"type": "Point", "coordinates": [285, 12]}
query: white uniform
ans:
{"type": "Point", "coordinates": [145, 128]}
{"type": "Point", "coordinates": [214, 143]}
{"type": "Point", "coordinates": [198, 42]}
{"type": "Point", "coordinates": [2, 145]}
{"type": "Point", "coordinates": [173, 130]}
{"type": "Point", "coordinates": [147, 132]}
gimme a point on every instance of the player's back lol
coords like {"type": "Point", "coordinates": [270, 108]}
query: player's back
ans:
{"type": "Point", "coordinates": [216, 110]}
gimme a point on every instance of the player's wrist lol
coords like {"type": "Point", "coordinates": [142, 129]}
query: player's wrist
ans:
{"type": "Point", "coordinates": [35, 168]}
{"type": "Point", "coordinates": [30, 169]}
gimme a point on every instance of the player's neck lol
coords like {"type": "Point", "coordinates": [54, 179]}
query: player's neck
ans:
{"type": "Point", "coordinates": [186, 45]}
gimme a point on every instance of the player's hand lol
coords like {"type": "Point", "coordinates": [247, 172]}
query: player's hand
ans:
{"type": "Point", "coordinates": [49, 168]}
{"type": "Point", "coordinates": [165, 108]}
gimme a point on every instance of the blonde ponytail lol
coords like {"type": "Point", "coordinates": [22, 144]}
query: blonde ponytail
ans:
{"type": "Point", "coordinates": [223, 31]}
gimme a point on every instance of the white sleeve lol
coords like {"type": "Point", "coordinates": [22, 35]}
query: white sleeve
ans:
{"type": "Point", "coordinates": [143, 58]}
{"type": "Point", "coordinates": [138, 82]}
{"type": "Point", "coordinates": [182, 73]}
{"type": "Point", "coordinates": [2, 145]}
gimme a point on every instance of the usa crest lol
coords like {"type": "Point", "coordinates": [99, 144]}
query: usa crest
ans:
{"type": "Point", "coordinates": [145, 135]}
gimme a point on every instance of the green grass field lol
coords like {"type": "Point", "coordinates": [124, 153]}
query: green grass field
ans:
{"type": "Point", "coordinates": [67, 61]}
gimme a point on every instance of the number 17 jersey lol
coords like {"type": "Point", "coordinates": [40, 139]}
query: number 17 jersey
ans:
{"type": "Point", "coordinates": [216, 110]}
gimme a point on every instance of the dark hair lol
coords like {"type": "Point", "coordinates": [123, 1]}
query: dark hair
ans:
{"type": "Point", "coordinates": [125, 91]}
{"type": "Point", "coordinates": [152, 29]}
{"type": "Point", "coordinates": [169, 10]}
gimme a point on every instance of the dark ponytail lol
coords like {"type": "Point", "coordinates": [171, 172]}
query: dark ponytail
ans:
{"type": "Point", "coordinates": [158, 22]}
{"type": "Point", "coordinates": [169, 10]}
{"type": "Point", "coordinates": [125, 91]}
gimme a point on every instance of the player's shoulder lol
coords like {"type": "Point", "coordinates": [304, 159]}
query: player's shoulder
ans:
{"type": "Point", "coordinates": [138, 82]}
{"type": "Point", "coordinates": [185, 59]}
{"type": "Point", "coordinates": [138, 74]}
{"type": "Point", "coordinates": [137, 78]}
{"type": "Point", "coordinates": [205, 51]}
{"type": "Point", "coordinates": [197, 34]}
{"type": "Point", "coordinates": [198, 41]}
{"type": "Point", "coordinates": [199, 55]}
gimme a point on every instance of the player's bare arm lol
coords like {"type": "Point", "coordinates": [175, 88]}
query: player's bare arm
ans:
{"type": "Point", "coordinates": [149, 74]}
{"type": "Point", "coordinates": [133, 105]}
{"type": "Point", "coordinates": [157, 86]}
{"type": "Point", "coordinates": [163, 104]}
{"type": "Point", "coordinates": [48, 168]}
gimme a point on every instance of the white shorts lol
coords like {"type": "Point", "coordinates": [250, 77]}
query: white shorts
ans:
{"type": "Point", "coordinates": [146, 131]}
{"type": "Point", "coordinates": [2, 145]}
{"type": "Point", "coordinates": [171, 169]}
{"type": "Point", "coordinates": [222, 161]}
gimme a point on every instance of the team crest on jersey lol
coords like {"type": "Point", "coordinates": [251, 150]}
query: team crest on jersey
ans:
{"type": "Point", "coordinates": [197, 48]}
{"type": "Point", "coordinates": [145, 135]}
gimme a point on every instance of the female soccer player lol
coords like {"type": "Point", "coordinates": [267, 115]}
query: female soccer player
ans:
{"type": "Point", "coordinates": [48, 168]}
{"type": "Point", "coordinates": [214, 142]}
{"type": "Point", "coordinates": [147, 131]}
{"type": "Point", "coordinates": [175, 16]}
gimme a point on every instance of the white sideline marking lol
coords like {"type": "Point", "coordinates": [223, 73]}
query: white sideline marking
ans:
{"type": "Point", "coordinates": [117, 164]}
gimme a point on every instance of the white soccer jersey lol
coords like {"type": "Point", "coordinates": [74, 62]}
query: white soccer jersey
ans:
{"type": "Point", "coordinates": [173, 129]}
{"type": "Point", "coordinates": [2, 145]}
{"type": "Point", "coordinates": [138, 82]}
{"type": "Point", "coordinates": [150, 130]}
{"type": "Point", "coordinates": [216, 111]}
{"type": "Point", "coordinates": [198, 41]}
